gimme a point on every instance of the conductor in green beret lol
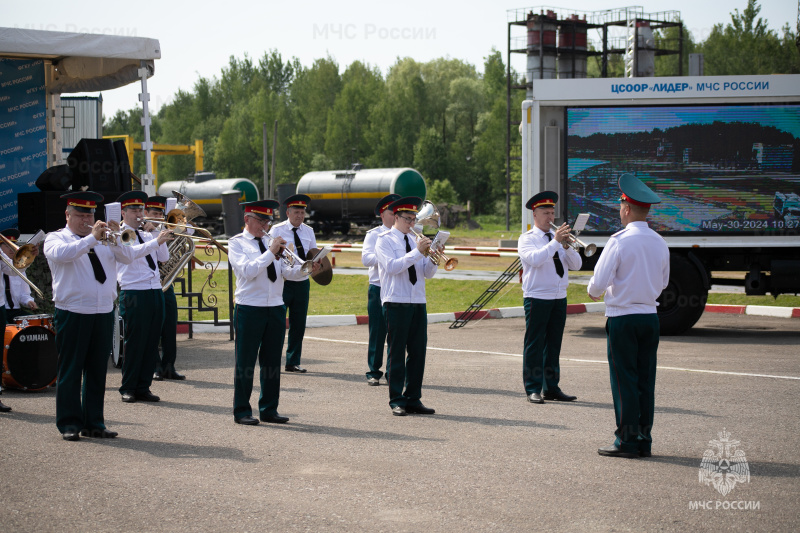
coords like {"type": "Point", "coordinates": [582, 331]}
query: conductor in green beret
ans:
{"type": "Point", "coordinates": [633, 270]}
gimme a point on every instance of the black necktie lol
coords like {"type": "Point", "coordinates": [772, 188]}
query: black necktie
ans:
{"type": "Point", "coordinates": [271, 273]}
{"type": "Point", "coordinates": [556, 259]}
{"type": "Point", "coordinates": [149, 259]}
{"type": "Point", "coordinates": [9, 301]}
{"type": "Point", "coordinates": [99, 273]}
{"type": "Point", "coordinates": [299, 245]}
{"type": "Point", "coordinates": [412, 271]}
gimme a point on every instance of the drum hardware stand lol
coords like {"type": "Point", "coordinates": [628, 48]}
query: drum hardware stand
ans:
{"type": "Point", "coordinates": [487, 295]}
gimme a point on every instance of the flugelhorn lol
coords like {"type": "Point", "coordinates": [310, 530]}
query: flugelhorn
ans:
{"type": "Point", "coordinates": [428, 215]}
{"type": "Point", "coordinates": [124, 237]}
{"type": "Point", "coordinates": [576, 244]}
{"type": "Point", "coordinates": [11, 263]}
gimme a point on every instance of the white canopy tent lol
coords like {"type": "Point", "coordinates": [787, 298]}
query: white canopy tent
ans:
{"type": "Point", "coordinates": [82, 62]}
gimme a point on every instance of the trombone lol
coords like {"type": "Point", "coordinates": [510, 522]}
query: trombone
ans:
{"type": "Point", "coordinates": [23, 256]}
{"type": "Point", "coordinates": [428, 215]}
{"type": "Point", "coordinates": [124, 237]}
{"type": "Point", "coordinates": [180, 228]}
{"type": "Point", "coordinates": [576, 244]}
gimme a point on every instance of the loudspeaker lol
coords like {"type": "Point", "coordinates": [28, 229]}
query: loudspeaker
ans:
{"type": "Point", "coordinates": [123, 165]}
{"type": "Point", "coordinates": [93, 163]}
{"type": "Point", "coordinates": [57, 178]}
{"type": "Point", "coordinates": [45, 210]}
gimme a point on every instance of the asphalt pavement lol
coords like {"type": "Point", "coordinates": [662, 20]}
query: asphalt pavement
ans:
{"type": "Point", "coordinates": [486, 461]}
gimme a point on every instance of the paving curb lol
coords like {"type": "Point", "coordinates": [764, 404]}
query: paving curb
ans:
{"type": "Point", "coordinates": [324, 321]}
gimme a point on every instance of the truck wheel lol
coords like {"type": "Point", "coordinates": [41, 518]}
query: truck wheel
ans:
{"type": "Point", "coordinates": [683, 301]}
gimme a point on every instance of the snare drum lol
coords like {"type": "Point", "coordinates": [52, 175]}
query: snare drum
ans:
{"type": "Point", "coordinates": [23, 321]}
{"type": "Point", "coordinates": [30, 357]}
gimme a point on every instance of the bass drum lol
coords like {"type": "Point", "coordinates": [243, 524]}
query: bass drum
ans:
{"type": "Point", "coordinates": [30, 358]}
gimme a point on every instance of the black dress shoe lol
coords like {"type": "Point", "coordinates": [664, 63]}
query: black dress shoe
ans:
{"type": "Point", "coordinates": [99, 433]}
{"type": "Point", "coordinates": [70, 435]}
{"type": "Point", "coordinates": [535, 397]}
{"type": "Point", "coordinates": [398, 411]}
{"type": "Point", "coordinates": [614, 451]}
{"type": "Point", "coordinates": [373, 382]}
{"type": "Point", "coordinates": [643, 453]}
{"type": "Point", "coordinates": [295, 368]}
{"type": "Point", "coordinates": [419, 410]}
{"type": "Point", "coordinates": [4, 408]}
{"type": "Point", "coordinates": [147, 396]}
{"type": "Point", "coordinates": [275, 419]}
{"type": "Point", "coordinates": [246, 420]}
{"type": "Point", "coordinates": [559, 396]}
{"type": "Point", "coordinates": [128, 397]}
{"type": "Point", "coordinates": [172, 374]}
{"type": "Point", "coordinates": [158, 376]}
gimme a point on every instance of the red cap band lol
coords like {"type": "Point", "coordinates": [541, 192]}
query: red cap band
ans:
{"type": "Point", "coordinates": [88, 204]}
{"type": "Point", "coordinates": [630, 200]}
{"type": "Point", "coordinates": [259, 210]}
{"type": "Point", "coordinates": [406, 207]}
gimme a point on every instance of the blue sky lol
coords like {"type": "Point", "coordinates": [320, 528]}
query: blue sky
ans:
{"type": "Point", "coordinates": [198, 37]}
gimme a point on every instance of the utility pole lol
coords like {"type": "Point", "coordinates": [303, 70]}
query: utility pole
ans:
{"type": "Point", "coordinates": [267, 187]}
{"type": "Point", "coordinates": [274, 146]}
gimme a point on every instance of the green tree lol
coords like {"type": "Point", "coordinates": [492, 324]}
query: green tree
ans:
{"type": "Point", "coordinates": [748, 46]}
{"type": "Point", "coordinates": [442, 192]}
{"type": "Point", "coordinates": [348, 123]}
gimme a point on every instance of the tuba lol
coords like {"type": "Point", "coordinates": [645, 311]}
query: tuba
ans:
{"type": "Point", "coordinates": [181, 248]}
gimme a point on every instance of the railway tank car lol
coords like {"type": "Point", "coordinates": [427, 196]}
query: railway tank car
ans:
{"type": "Point", "coordinates": [206, 191]}
{"type": "Point", "coordinates": [339, 197]}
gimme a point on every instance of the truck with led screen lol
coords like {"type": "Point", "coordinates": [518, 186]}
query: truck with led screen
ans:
{"type": "Point", "coordinates": [723, 153]}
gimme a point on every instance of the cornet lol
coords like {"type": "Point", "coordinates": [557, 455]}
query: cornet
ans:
{"type": "Point", "coordinates": [287, 259]}
{"type": "Point", "coordinates": [429, 216]}
{"type": "Point", "coordinates": [576, 244]}
{"type": "Point", "coordinates": [117, 238]}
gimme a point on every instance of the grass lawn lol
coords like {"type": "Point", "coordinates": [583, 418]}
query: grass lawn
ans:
{"type": "Point", "coordinates": [347, 295]}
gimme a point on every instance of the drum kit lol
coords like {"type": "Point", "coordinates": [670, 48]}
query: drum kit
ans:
{"type": "Point", "coordinates": [30, 356]}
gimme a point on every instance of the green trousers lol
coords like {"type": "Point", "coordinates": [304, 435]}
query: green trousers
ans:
{"type": "Point", "coordinates": [544, 328]}
{"type": "Point", "coordinates": [632, 347]}
{"type": "Point", "coordinates": [169, 332]}
{"type": "Point", "coordinates": [295, 301]}
{"type": "Point", "coordinates": [84, 345]}
{"type": "Point", "coordinates": [259, 335]}
{"type": "Point", "coordinates": [377, 332]}
{"type": "Point", "coordinates": [407, 332]}
{"type": "Point", "coordinates": [143, 315]}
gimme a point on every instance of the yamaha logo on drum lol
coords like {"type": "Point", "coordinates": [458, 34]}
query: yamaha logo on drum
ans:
{"type": "Point", "coordinates": [33, 338]}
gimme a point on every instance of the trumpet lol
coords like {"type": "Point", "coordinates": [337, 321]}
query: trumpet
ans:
{"type": "Point", "coordinates": [576, 244]}
{"type": "Point", "coordinates": [290, 257]}
{"type": "Point", "coordinates": [117, 238]}
{"type": "Point", "coordinates": [22, 256]}
{"type": "Point", "coordinates": [429, 216]}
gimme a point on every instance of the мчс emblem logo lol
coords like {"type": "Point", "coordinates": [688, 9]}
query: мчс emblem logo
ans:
{"type": "Point", "coordinates": [723, 465]}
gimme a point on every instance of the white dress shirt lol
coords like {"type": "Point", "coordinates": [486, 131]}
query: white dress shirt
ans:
{"type": "Point", "coordinates": [20, 292]}
{"type": "Point", "coordinates": [285, 230]}
{"type": "Point", "coordinates": [368, 256]}
{"type": "Point", "coordinates": [75, 288]}
{"type": "Point", "coordinates": [138, 276]}
{"type": "Point", "coordinates": [393, 265]}
{"type": "Point", "coordinates": [253, 286]}
{"type": "Point", "coordinates": [5, 269]}
{"type": "Point", "coordinates": [633, 270]}
{"type": "Point", "coordinates": [539, 277]}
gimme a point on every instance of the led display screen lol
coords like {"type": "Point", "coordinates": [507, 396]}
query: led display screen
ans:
{"type": "Point", "coordinates": [717, 169]}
